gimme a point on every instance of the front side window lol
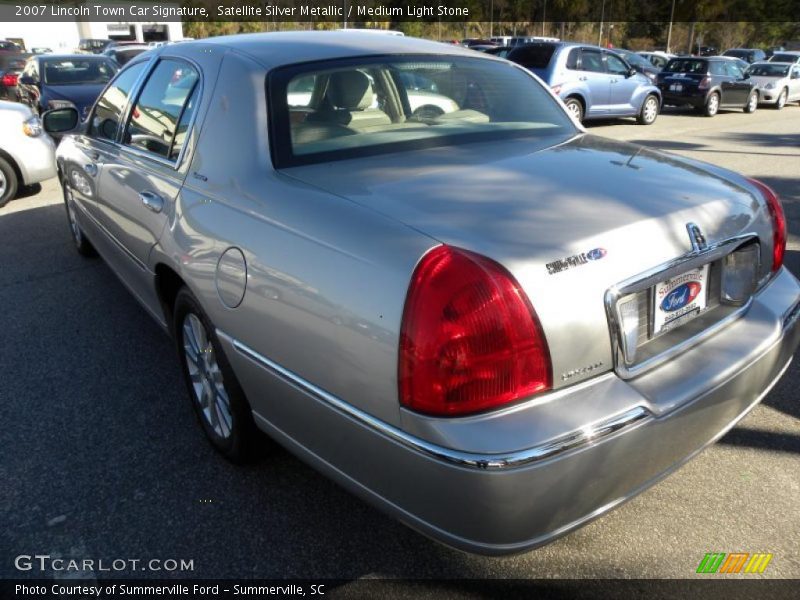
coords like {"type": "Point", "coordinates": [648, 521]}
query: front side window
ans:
{"type": "Point", "coordinates": [733, 70]}
{"type": "Point", "coordinates": [377, 105]}
{"type": "Point", "coordinates": [592, 60]}
{"type": "Point", "coordinates": [616, 65]}
{"type": "Point", "coordinates": [166, 98]}
{"type": "Point", "coordinates": [108, 112]}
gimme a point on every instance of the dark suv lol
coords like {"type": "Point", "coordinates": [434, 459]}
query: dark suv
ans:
{"type": "Point", "coordinates": [707, 84]}
{"type": "Point", "coordinates": [751, 55]}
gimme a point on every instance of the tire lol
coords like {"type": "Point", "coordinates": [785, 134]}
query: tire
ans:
{"type": "Point", "coordinates": [575, 108]}
{"type": "Point", "coordinates": [82, 243]}
{"type": "Point", "coordinates": [217, 398]}
{"type": "Point", "coordinates": [752, 103]}
{"type": "Point", "coordinates": [649, 112]}
{"type": "Point", "coordinates": [9, 184]}
{"type": "Point", "coordinates": [781, 102]}
{"type": "Point", "coordinates": [712, 105]}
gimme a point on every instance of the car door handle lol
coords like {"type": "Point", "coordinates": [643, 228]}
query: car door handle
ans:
{"type": "Point", "coordinates": [582, 78]}
{"type": "Point", "coordinates": [152, 201]}
{"type": "Point", "coordinates": [90, 169]}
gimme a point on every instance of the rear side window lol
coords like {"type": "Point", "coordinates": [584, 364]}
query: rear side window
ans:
{"type": "Point", "coordinates": [572, 58]}
{"type": "Point", "coordinates": [536, 56]}
{"type": "Point", "coordinates": [163, 104]}
{"type": "Point", "coordinates": [108, 112]}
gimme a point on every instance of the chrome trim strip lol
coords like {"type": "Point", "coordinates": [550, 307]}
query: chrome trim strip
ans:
{"type": "Point", "coordinates": [649, 278]}
{"type": "Point", "coordinates": [573, 440]}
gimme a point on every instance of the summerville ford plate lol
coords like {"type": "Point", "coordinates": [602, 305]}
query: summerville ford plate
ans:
{"type": "Point", "coordinates": [679, 299]}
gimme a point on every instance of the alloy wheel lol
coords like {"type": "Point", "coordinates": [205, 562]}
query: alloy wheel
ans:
{"type": "Point", "coordinates": [206, 376]}
{"type": "Point", "coordinates": [713, 104]}
{"type": "Point", "coordinates": [73, 219]}
{"type": "Point", "coordinates": [781, 100]}
{"type": "Point", "coordinates": [650, 110]}
{"type": "Point", "coordinates": [3, 183]}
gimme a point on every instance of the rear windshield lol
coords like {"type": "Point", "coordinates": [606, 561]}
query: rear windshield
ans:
{"type": "Point", "coordinates": [687, 66]}
{"type": "Point", "coordinates": [362, 107]}
{"type": "Point", "coordinates": [533, 57]}
{"type": "Point", "coordinates": [77, 72]}
{"type": "Point", "coordinates": [769, 70]}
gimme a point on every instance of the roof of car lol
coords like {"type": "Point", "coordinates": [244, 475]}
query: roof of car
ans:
{"type": "Point", "coordinates": [290, 47]}
{"type": "Point", "coordinates": [69, 57]}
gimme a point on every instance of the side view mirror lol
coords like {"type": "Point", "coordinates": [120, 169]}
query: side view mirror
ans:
{"type": "Point", "coordinates": [631, 72]}
{"type": "Point", "coordinates": [27, 80]}
{"type": "Point", "coordinates": [60, 120]}
{"type": "Point", "coordinates": [795, 75]}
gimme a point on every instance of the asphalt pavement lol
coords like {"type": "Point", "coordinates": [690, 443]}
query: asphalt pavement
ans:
{"type": "Point", "coordinates": [102, 458]}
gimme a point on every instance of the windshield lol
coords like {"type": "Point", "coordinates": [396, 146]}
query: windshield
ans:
{"type": "Point", "coordinates": [77, 72]}
{"type": "Point", "coordinates": [687, 66]}
{"type": "Point", "coordinates": [372, 106]}
{"type": "Point", "coordinates": [789, 58]}
{"type": "Point", "coordinates": [769, 70]}
{"type": "Point", "coordinates": [737, 53]}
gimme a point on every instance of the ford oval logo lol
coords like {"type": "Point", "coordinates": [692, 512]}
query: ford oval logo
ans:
{"type": "Point", "coordinates": [596, 254]}
{"type": "Point", "coordinates": [681, 296]}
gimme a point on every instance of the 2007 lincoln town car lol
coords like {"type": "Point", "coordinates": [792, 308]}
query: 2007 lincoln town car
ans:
{"type": "Point", "coordinates": [473, 314]}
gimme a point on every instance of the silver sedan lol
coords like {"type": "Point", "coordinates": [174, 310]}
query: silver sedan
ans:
{"type": "Point", "coordinates": [485, 321]}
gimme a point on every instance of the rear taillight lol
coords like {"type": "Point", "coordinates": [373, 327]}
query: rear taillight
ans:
{"type": "Point", "coordinates": [9, 79]}
{"type": "Point", "coordinates": [704, 84]}
{"type": "Point", "coordinates": [778, 222]}
{"type": "Point", "coordinates": [470, 340]}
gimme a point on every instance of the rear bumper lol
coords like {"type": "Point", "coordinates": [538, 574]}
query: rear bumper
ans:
{"type": "Point", "coordinates": [509, 502]}
{"type": "Point", "coordinates": [695, 99]}
{"type": "Point", "coordinates": [36, 158]}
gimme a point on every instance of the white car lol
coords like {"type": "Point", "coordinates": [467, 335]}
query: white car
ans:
{"type": "Point", "coordinates": [27, 154]}
{"type": "Point", "coordinates": [778, 83]}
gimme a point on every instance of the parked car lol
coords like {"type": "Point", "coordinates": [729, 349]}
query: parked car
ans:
{"type": "Point", "coordinates": [41, 50]}
{"type": "Point", "coordinates": [11, 66]}
{"type": "Point", "coordinates": [8, 46]}
{"type": "Point", "coordinates": [706, 51]}
{"type": "Point", "coordinates": [785, 57]}
{"type": "Point", "coordinates": [770, 51]}
{"type": "Point", "coordinates": [27, 155]}
{"type": "Point", "coordinates": [708, 84]}
{"type": "Point", "coordinates": [398, 300]}
{"type": "Point", "coordinates": [778, 83]}
{"type": "Point", "coordinates": [121, 55]}
{"type": "Point", "coordinates": [641, 64]}
{"type": "Point", "coordinates": [657, 58]}
{"type": "Point", "coordinates": [593, 82]}
{"type": "Point", "coordinates": [751, 55]}
{"type": "Point", "coordinates": [56, 80]}
{"type": "Point", "coordinates": [93, 45]}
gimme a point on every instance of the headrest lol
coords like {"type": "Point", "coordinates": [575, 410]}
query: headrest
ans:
{"type": "Point", "coordinates": [350, 90]}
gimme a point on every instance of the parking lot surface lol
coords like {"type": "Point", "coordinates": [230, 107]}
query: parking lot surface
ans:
{"type": "Point", "coordinates": [102, 457]}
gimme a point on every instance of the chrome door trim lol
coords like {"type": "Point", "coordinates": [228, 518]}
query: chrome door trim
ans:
{"type": "Point", "coordinates": [573, 440]}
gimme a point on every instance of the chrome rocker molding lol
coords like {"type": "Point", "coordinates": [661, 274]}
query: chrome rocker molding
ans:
{"type": "Point", "coordinates": [575, 439]}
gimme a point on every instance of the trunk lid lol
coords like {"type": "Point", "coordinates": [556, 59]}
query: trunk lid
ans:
{"type": "Point", "coordinates": [569, 219]}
